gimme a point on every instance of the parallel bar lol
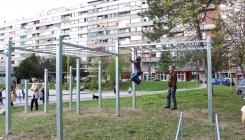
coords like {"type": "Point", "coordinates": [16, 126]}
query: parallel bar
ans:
{"type": "Point", "coordinates": [99, 86]}
{"type": "Point", "coordinates": [70, 87]}
{"type": "Point", "coordinates": [117, 82]}
{"type": "Point", "coordinates": [78, 85]}
{"type": "Point", "coordinates": [210, 96]}
{"type": "Point", "coordinates": [59, 107]}
{"type": "Point", "coordinates": [8, 81]}
{"type": "Point", "coordinates": [167, 43]}
{"type": "Point", "coordinates": [133, 84]}
{"type": "Point", "coordinates": [46, 90]}
{"type": "Point", "coordinates": [91, 49]}
{"type": "Point", "coordinates": [217, 134]}
{"type": "Point", "coordinates": [26, 97]}
{"type": "Point", "coordinates": [180, 127]}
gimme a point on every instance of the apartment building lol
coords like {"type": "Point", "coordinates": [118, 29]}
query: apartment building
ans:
{"type": "Point", "coordinates": [97, 24]}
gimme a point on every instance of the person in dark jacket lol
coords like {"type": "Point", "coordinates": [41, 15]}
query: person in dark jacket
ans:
{"type": "Point", "coordinates": [172, 82]}
{"type": "Point", "coordinates": [135, 75]}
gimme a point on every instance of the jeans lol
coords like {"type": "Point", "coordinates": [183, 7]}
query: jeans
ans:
{"type": "Point", "coordinates": [135, 77]}
{"type": "Point", "coordinates": [36, 103]}
{"type": "Point", "coordinates": [171, 93]}
{"type": "Point", "coordinates": [23, 96]}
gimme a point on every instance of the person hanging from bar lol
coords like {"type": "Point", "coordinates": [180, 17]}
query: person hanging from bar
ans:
{"type": "Point", "coordinates": [135, 75]}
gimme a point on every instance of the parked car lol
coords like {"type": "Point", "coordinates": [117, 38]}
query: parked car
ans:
{"type": "Point", "coordinates": [195, 80]}
{"type": "Point", "coordinates": [240, 86]}
{"type": "Point", "coordinates": [225, 81]}
{"type": "Point", "coordinates": [215, 81]}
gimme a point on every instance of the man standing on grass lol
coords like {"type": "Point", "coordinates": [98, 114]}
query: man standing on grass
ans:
{"type": "Point", "coordinates": [172, 81]}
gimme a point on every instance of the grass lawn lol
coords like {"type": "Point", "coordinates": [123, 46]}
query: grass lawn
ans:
{"type": "Point", "coordinates": [149, 121]}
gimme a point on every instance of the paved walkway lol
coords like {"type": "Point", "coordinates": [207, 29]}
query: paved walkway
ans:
{"type": "Point", "coordinates": [88, 95]}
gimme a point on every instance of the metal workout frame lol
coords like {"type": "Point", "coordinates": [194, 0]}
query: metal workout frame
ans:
{"type": "Point", "coordinates": [68, 49]}
{"type": "Point", "coordinates": [140, 49]}
{"type": "Point", "coordinates": [73, 50]}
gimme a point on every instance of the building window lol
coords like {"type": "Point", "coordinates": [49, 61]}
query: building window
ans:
{"type": "Point", "coordinates": [23, 37]}
{"type": "Point", "coordinates": [91, 34]}
{"type": "Point", "coordinates": [124, 5]}
{"type": "Point", "coordinates": [132, 3]}
{"type": "Point", "coordinates": [114, 31]}
{"type": "Point", "coordinates": [124, 14]}
{"type": "Point", "coordinates": [112, 15]}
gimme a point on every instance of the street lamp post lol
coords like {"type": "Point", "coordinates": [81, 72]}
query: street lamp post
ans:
{"type": "Point", "coordinates": [229, 55]}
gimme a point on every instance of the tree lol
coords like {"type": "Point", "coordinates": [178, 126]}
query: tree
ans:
{"type": "Point", "coordinates": [171, 17]}
{"type": "Point", "coordinates": [191, 59]}
{"type": "Point", "coordinates": [219, 48]}
{"type": "Point", "coordinates": [235, 28]}
{"type": "Point", "coordinates": [30, 67]}
{"type": "Point", "coordinates": [111, 71]}
{"type": "Point", "coordinates": [164, 61]}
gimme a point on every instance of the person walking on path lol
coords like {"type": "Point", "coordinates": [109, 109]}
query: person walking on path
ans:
{"type": "Point", "coordinates": [23, 93]}
{"type": "Point", "coordinates": [135, 75]}
{"type": "Point", "coordinates": [35, 93]}
{"type": "Point", "coordinates": [172, 86]}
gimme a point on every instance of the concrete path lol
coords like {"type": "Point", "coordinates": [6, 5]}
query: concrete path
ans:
{"type": "Point", "coordinates": [87, 95]}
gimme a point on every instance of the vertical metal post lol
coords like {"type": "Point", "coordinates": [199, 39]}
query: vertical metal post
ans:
{"type": "Point", "coordinates": [99, 81]}
{"type": "Point", "coordinates": [59, 108]}
{"type": "Point", "coordinates": [133, 84]}
{"type": "Point", "coordinates": [46, 90]}
{"type": "Point", "coordinates": [26, 97]}
{"type": "Point", "coordinates": [117, 81]}
{"type": "Point", "coordinates": [209, 61]}
{"type": "Point", "coordinates": [70, 87]}
{"type": "Point", "coordinates": [8, 81]}
{"type": "Point", "coordinates": [229, 53]}
{"type": "Point", "coordinates": [78, 85]}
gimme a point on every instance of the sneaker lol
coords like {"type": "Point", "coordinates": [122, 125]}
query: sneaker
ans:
{"type": "Point", "coordinates": [139, 82]}
{"type": "Point", "coordinates": [174, 108]}
{"type": "Point", "coordinates": [166, 106]}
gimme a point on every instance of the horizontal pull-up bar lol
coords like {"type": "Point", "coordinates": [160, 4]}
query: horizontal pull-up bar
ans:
{"type": "Point", "coordinates": [36, 45]}
{"type": "Point", "coordinates": [167, 43]}
{"type": "Point", "coordinates": [62, 72]}
{"type": "Point", "coordinates": [86, 48]}
{"type": "Point", "coordinates": [86, 68]}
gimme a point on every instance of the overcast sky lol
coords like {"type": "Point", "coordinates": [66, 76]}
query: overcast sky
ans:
{"type": "Point", "coordinates": [11, 10]}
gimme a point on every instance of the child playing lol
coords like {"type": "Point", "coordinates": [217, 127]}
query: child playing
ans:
{"type": "Point", "coordinates": [135, 75]}
{"type": "Point", "coordinates": [19, 97]}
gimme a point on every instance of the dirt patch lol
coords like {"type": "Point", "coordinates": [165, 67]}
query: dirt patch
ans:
{"type": "Point", "coordinates": [34, 113]}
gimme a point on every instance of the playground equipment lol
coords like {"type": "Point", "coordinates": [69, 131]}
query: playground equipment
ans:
{"type": "Point", "coordinates": [72, 50]}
